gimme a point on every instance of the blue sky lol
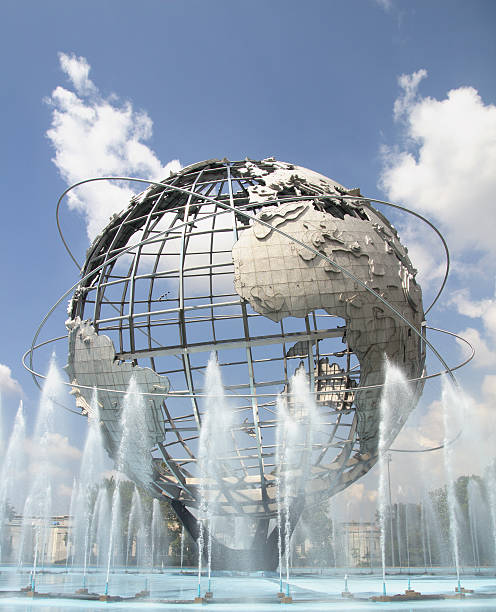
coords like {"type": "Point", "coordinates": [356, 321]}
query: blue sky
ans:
{"type": "Point", "coordinates": [317, 83]}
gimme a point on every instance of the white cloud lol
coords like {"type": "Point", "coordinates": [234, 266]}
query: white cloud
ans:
{"type": "Point", "coordinates": [77, 69]}
{"type": "Point", "coordinates": [409, 84]}
{"type": "Point", "coordinates": [472, 451]}
{"type": "Point", "coordinates": [386, 5]}
{"type": "Point", "coordinates": [426, 253]}
{"type": "Point", "coordinates": [484, 355]}
{"type": "Point", "coordinates": [7, 383]}
{"type": "Point", "coordinates": [445, 165]}
{"type": "Point", "coordinates": [96, 136]}
{"type": "Point", "coordinates": [57, 453]}
{"type": "Point", "coordinates": [484, 311]}
{"type": "Point", "coordinates": [489, 385]}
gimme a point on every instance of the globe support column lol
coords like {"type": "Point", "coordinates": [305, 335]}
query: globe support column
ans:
{"type": "Point", "coordinates": [263, 555]}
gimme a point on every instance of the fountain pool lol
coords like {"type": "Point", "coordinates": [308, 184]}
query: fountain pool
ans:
{"type": "Point", "coordinates": [311, 589]}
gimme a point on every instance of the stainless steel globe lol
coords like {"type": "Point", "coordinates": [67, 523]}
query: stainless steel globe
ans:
{"type": "Point", "coordinates": [272, 267]}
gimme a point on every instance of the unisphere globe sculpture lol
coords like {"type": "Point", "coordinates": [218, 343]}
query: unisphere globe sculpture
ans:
{"type": "Point", "coordinates": [273, 268]}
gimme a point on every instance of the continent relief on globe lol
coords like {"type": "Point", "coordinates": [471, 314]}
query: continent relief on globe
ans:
{"type": "Point", "coordinates": [281, 278]}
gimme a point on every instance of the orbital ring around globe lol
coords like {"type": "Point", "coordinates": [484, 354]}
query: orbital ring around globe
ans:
{"type": "Point", "coordinates": [225, 205]}
{"type": "Point", "coordinates": [149, 182]}
{"type": "Point", "coordinates": [447, 369]}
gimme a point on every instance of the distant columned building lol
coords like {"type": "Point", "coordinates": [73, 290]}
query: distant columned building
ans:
{"type": "Point", "coordinates": [55, 550]}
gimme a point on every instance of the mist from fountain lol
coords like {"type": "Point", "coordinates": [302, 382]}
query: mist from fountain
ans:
{"type": "Point", "coordinates": [407, 536]}
{"type": "Point", "coordinates": [12, 465]}
{"type": "Point", "coordinates": [136, 531]}
{"type": "Point", "coordinates": [89, 475]}
{"type": "Point", "coordinates": [130, 528]}
{"type": "Point", "coordinates": [241, 533]}
{"type": "Point", "coordinates": [100, 528]}
{"type": "Point", "coordinates": [450, 402]}
{"type": "Point", "coordinates": [436, 542]}
{"type": "Point", "coordinates": [297, 421]}
{"type": "Point", "coordinates": [287, 439]}
{"type": "Point", "coordinates": [490, 483]}
{"type": "Point", "coordinates": [182, 546]}
{"type": "Point", "coordinates": [133, 456]}
{"type": "Point", "coordinates": [2, 442]}
{"type": "Point", "coordinates": [70, 535]}
{"type": "Point", "coordinates": [114, 557]}
{"type": "Point", "coordinates": [155, 530]}
{"type": "Point", "coordinates": [38, 504]}
{"type": "Point", "coordinates": [426, 540]}
{"type": "Point", "coordinates": [475, 503]}
{"type": "Point", "coordinates": [215, 450]}
{"type": "Point", "coordinates": [396, 400]}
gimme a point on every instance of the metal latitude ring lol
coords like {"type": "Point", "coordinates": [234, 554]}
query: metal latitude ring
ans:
{"type": "Point", "coordinates": [242, 213]}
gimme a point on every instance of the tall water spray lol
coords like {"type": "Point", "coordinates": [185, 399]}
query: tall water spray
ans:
{"type": "Point", "coordinates": [115, 541]}
{"type": "Point", "coordinates": [475, 504]}
{"type": "Point", "coordinates": [100, 527]}
{"type": "Point", "coordinates": [215, 453]}
{"type": "Point", "coordinates": [490, 480]}
{"type": "Point", "coordinates": [282, 490]}
{"type": "Point", "coordinates": [38, 504]}
{"type": "Point", "coordinates": [11, 467]}
{"type": "Point", "coordinates": [2, 443]}
{"type": "Point", "coordinates": [92, 461]}
{"type": "Point", "coordinates": [182, 546]}
{"type": "Point", "coordinates": [297, 423]}
{"type": "Point", "coordinates": [426, 549]}
{"type": "Point", "coordinates": [133, 456]}
{"type": "Point", "coordinates": [396, 400]}
{"type": "Point", "coordinates": [136, 531]}
{"type": "Point", "coordinates": [437, 545]}
{"type": "Point", "coordinates": [451, 406]}
{"type": "Point", "coordinates": [70, 552]}
{"type": "Point", "coordinates": [156, 530]}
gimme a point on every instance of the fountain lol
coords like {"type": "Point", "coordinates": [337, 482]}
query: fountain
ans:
{"type": "Point", "coordinates": [490, 481]}
{"type": "Point", "coordinates": [11, 466]}
{"type": "Point", "coordinates": [82, 501]}
{"type": "Point", "coordinates": [132, 456]}
{"type": "Point", "coordinates": [136, 532]}
{"type": "Point", "coordinates": [475, 504]}
{"type": "Point", "coordinates": [215, 450]}
{"type": "Point", "coordinates": [297, 424]}
{"type": "Point", "coordinates": [288, 280]}
{"type": "Point", "coordinates": [450, 401]}
{"type": "Point", "coordinates": [182, 547]}
{"type": "Point", "coordinates": [37, 507]}
{"type": "Point", "coordinates": [99, 536]}
{"type": "Point", "coordinates": [100, 528]}
{"type": "Point", "coordinates": [396, 401]}
{"type": "Point", "coordinates": [155, 531]}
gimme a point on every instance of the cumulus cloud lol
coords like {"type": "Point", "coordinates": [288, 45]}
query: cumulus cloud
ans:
{"type": "Point", "coordinates": [97, 136]}
{"type": "Point", "coordinates": [409, 84]}
{"type": "Point", "coordinates": [444, 167]}
{"type": "Point", "coordinates": [426, 253]}
{"type": "Point", "coordinates": [471, 452]}
{"type": "Point", "coordinates": [7, 383]}
{"type": "Point", "coordinates": [484, 311]}
{"type": "Point", "coordinates": [78, 70]}
{"type": "Point", "coordinates": [58, 452]}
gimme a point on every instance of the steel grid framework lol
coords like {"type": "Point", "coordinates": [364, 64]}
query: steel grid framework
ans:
{"type": "Point", "coordinates": [158, 285]}
{"type": "Point", "coordinates": [169, 301]}
{"type": "Point", "coordinates": [149, 307]}
{"type": "Point", "coordinates": [174, 303]}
